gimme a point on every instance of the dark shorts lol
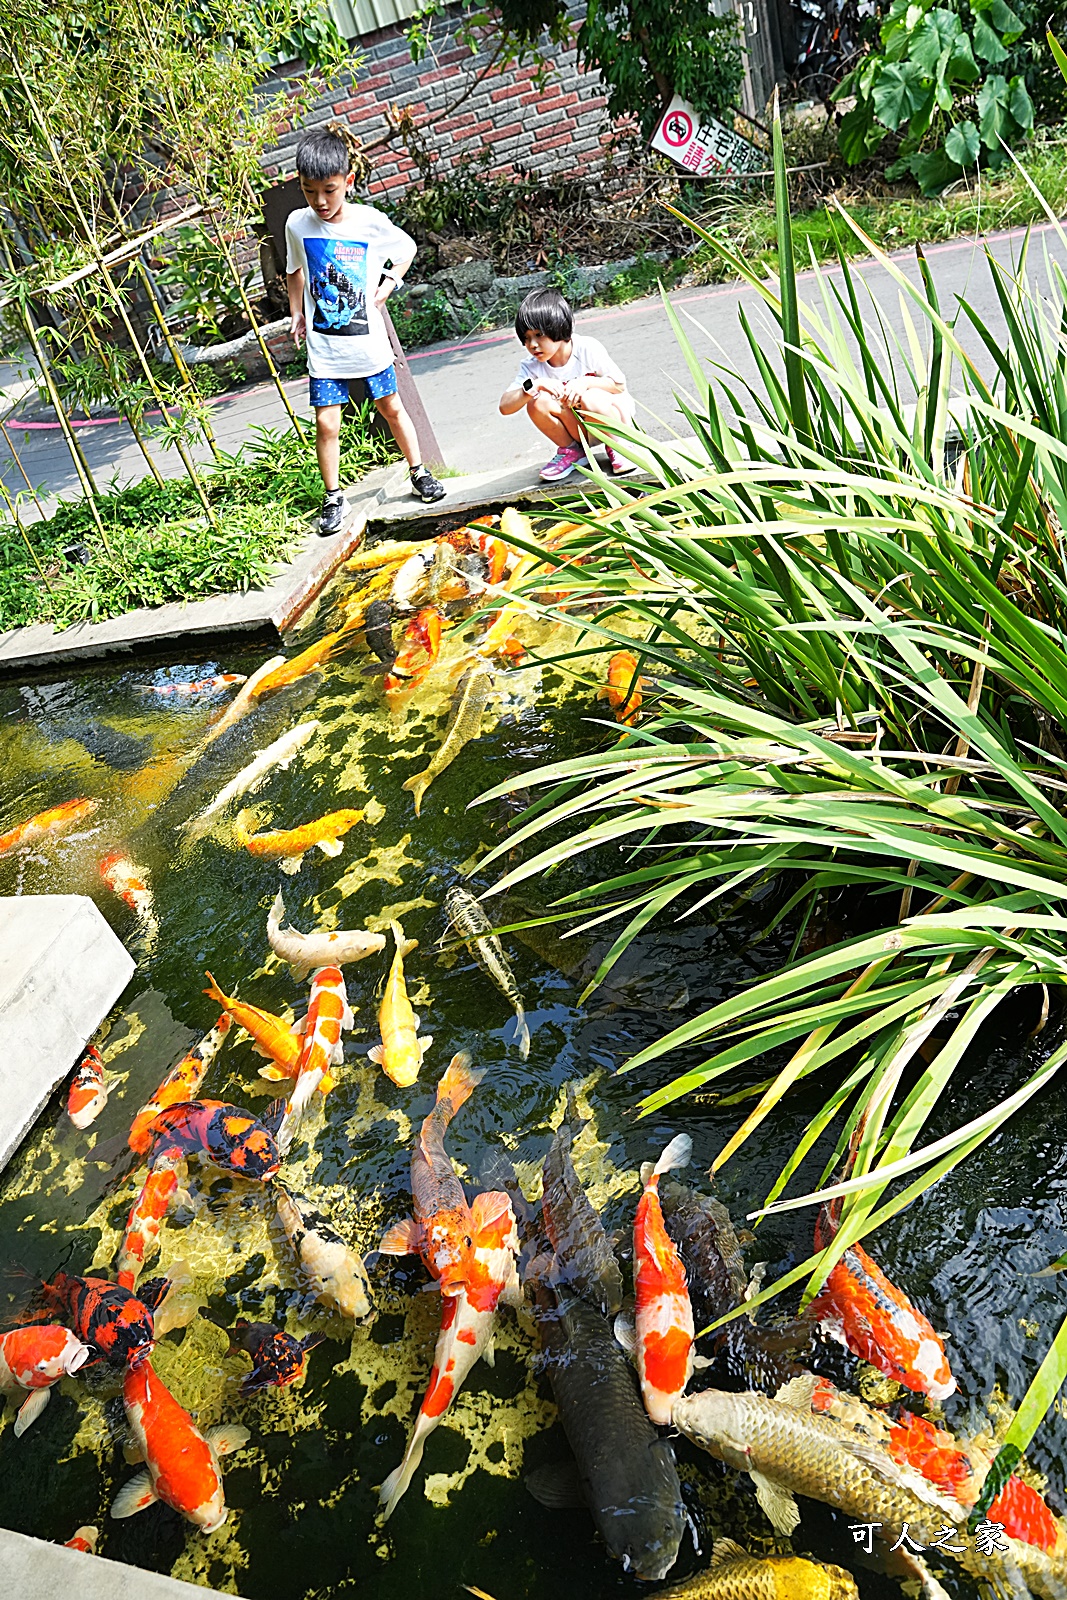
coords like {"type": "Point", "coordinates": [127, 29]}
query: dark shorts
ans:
{"type": "Point", "coordinates": [334, 391]}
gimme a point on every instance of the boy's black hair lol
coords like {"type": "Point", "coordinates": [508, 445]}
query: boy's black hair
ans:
{"type": "Point", "coordinates": [548, 312]}
{"type": "Point", "coordinates": [322, 154]}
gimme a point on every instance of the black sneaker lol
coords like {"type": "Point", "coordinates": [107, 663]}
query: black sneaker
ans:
{"type": "Point", "coordinates": [426, 486]}
{"type": "Point", "coordinates": [331, 516]}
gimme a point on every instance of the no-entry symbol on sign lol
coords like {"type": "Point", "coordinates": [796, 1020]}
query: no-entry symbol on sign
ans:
{"type": "Point", "coordinates": [677, 128]}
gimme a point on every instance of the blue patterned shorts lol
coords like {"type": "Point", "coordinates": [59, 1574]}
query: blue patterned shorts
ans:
{"type": "Point", "coordinates": [334, 391]}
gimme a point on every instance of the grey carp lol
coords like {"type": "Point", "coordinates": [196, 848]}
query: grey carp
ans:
{"type": "Point", "coordinates": [760, 1357]}
{"type": "Point", "coordinates": [464, 724]}
{"type": "Point", "coordinates": [626, 1471]}
{"type": "Point", "coordinates": [735, 1575]}
{"type": "Point", "coordinates": [789, 1451]}
{"type": "Point", "coordinates": [584, 1257]}
{"type": "Point", "coordinates": [378, 631]}
{"type": "Point", "coordinates": [474, 928]}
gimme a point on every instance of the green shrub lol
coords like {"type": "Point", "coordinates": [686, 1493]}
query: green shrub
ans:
{"type": "Point", "coordinates": [197, 266]}
{"type": "Point", "coordinates": [937, 82]}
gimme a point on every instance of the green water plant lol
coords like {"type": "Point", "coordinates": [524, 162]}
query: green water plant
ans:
{"type": "Point", "coordinates": [847, 599]}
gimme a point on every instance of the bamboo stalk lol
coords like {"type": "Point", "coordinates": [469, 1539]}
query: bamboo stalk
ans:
{"type": "Point", "coordinates": [17, 520]}
{"type": "Point", "coordinates": [91, 240]}
{"type": "Point", "coordinates": [18, 462]}
{"type": "Point", "coordinates": [271, 368]}
{"type": "Point", "coordinates": [89, 333]}
{"type": "Point", "coordinates": [176, 355]}
{"type": "Point", "coordinates": [81, 466]}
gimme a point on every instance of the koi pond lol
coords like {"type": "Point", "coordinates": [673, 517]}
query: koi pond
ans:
{"type": "Point", "coordinates": [302, 1493]}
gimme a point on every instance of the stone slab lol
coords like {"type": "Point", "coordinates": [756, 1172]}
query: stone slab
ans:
{"type": "Point", "coordinates": [268, 611]}
{"type": "Point", "coordinates": [35, 1570]}
{"type": "Point", "coordinates": [61, 971]}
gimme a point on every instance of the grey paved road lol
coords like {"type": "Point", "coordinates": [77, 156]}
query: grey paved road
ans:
{"type": "Point", "coordinates": [461, 382]}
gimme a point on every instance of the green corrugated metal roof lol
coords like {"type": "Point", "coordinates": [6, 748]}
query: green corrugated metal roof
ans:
{"type": "Point", "coordinates": [357, 17]}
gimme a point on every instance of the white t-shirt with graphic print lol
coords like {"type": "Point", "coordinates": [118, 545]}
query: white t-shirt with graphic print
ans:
{"type": "Point", "coordinates": [343, 263]}
{"type": "Point", "coordinates": [588, 358]}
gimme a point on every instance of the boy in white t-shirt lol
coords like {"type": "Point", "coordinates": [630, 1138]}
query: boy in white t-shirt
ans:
{"type": "Point", "coordinates": [343, 262]}
{"type": "Point", "coordinates": [563, 381]}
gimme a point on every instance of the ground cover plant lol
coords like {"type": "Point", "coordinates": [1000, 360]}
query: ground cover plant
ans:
{"type": "Point", "coordinates": [152, 543]}
{"type": "Point", "coordinates": [854, 635]}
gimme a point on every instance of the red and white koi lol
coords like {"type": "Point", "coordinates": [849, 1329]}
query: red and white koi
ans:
{"type": "Point", "coordinates": [200, 686]}
{"type": "Point", "coordinates": [88, 1092]}
{"type": "Point", "coordinates": [663, 1321]}
{"type": "Point", "coordinates": [467, 1323]}
{"type": "Point", "coordinates": [182, 1463]}
{"type": "Point", "coordinates": [84, 1540]}
{"type": "Point", "coordinates": [181, 1084]}
{"type": "Point", "coordinates": [33, 1359]}
{"type": "Point", "coordinates": [130, 882]}
{"type": "Point", "coordinates": [328, 1015]}
{"type": "Point", "coordinates": [877, 1321]}
{"type": "Point", "coordinates": [141, 1238]}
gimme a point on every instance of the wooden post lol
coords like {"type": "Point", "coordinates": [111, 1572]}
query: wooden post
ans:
{"type": "Point", "coordinates": [411, 400]}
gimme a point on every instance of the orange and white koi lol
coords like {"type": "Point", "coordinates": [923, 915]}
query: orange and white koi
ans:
{"type": "Point", "coordinates": [496, 553]}
{"type": "Point", "coordinates": [466, 1333]}
{"type": "Point", "coordinates": [877, 1321]}
{"type": "Point", "coordinates": [183, 1463]}
{"type": "Point", "coordinates": [181, 1084]}
{"type": "Point", "coordinates": [663, 1320]}
{"type": "Point", "coordinates": [290, 845]}
{"type": "Point", "coordinates": [88, 1092]}
{"type": "Point", "coordinates": [623, 688]}
{"type": "Point", "coordinates": [200, 686]}
{"type": "Point", "coordinates": [33, 1359]}
{"type": "Point", "coordinates": [272, 1037]}
{"type": "Point", "coordinates": [84, 1540]}
{"type": "Point", "coordinates": [442, 1228]}
{"type": "Point", "coordinates": [130, 882]}
{"type": "Point", "coordinates": [47, 824]}
{"type": "Point", "coordinates": [328, 1014]}
{"type": "Point", "coordinates": [141, 1238]}
{"type": "Point", "coordinates": [419, 650]}
{"type": "Point", "coordinates": [401, 1051]}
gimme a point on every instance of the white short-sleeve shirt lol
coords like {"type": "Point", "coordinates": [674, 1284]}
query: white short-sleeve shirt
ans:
{"type": "Point", "coordinates": [588, 358]}
{"type": "Point", "coordinates": [342, 264]}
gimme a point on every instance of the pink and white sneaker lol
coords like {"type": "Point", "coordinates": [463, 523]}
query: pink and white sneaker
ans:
{"type": "Point", "coordinates": [563, 462]}
{"type": "Point", "coordinates": [619, 465]}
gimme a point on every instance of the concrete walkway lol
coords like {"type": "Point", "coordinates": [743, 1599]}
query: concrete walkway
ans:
{"type": "Point", "coordinates": [461, 382]}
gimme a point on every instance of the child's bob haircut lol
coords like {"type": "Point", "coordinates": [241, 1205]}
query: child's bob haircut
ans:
{"type": "Point", "coordinates": [548, 312]}
{"type": "Point", "coordinates": [322, 154]}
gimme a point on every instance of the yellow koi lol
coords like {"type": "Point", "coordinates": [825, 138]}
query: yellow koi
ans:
{"type": "Point", "coordinates": [401, 1050]}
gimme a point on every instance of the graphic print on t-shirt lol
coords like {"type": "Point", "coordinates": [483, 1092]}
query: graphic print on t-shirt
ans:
{"type": "Point", "coordinates": [337, 281]}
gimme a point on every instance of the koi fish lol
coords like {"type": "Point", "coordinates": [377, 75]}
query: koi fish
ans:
{"type": "Point", "coordinates": [442, 1227]}
{"type": "Point", "coordinates": [141, 1237]}
{"type": "Point", "coordinates": [335, 1274]}
{"type": "Point", "coordinates": [418, 652]}
{"type": "Point", "coordinates": [877, 1321]}
{"type": "Point", "coordinates": [181, 1084]}
{"type": "Point", "coordinates": [271, 1036]}
{"type": "Point", "coordinates": [116, 1325]}
{"type": "Point", "coordinates": [575, 1230]}
{"type": "Point", "coordinates": [387, 553]}
{"type": "Point", "coordinates": [35, 1358]}
{"type": "Point", "coordinates": [496, 553]}
{"type": "Point", "coordinates": [201, 686]}
{"type": "Point", "coordinates": [401, 1052]}
{"type": "Point", "coordinates": [623, 688]}
{"type": "Point", "coordinates": [283, 673]}
{"type": "Point", "coordinates": [466, 1335]}
{"type": "Point", "coordinates": [501, 630]}
{"type": "Point", "coordinates": [183, 1463]}
{"type": "Point", "coordinates": [229, 1138]}
{"type": "Point", "coordinates": [328, 1015]}
{"type": "Point", "coordinates": [279, 754]}
{"type": "Point", "coordinates": [378, 631]}
{"type": "Point", "coordinates": [84, 1540]}
{"type": "Point", "coordinates": [52, 823]}
{"type": "Point", "coordinates": [411, 577]}
{"type": "Point", "coordinates": [306, 951]}
{"type": "Point", "coordinates": [663, 1321]}
{"type": "Point", "coordinates": [291, 844]}
{"type": "Point", "coordinates": [88, 1092]}
{"type": "Point", "coordinates": [735, 1575]}
{"type": "Point", "coordinates": [130, 882]}
{"type": "Point", "coordinates": [277, 1358]}
{"type": "Point", "coordinates": [464, 724]}
{"type": "Point", "coordinates": [473, 926]}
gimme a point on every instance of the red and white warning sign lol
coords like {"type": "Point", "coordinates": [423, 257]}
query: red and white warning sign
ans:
{"type": "Point", "coordinates": [704, 145]}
